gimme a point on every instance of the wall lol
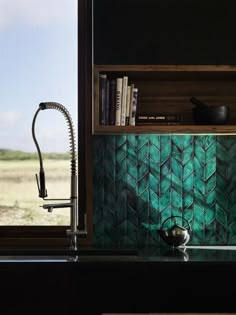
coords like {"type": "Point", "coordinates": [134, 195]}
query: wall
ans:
{"type": "Point", "coordinates": [141, 180]}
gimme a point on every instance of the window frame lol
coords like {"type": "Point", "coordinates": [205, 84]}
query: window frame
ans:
{"type": "Point", "coordinates": [56, 235]}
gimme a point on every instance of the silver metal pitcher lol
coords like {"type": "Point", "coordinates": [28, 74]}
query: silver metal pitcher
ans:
{"type": "Point", "coordinates": [177, 235]}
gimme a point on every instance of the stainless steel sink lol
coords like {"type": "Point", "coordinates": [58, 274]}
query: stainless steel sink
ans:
{"type": "Point", "coordinates": [65, 255]}
{"type": "Point", "coordinates": [69, 259]}
{"type": "Point", "coordinates": [29, 259]}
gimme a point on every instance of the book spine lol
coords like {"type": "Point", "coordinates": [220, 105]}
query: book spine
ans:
{"type": "Point", "coordinates": [107, 103]}
{"type": "Point", "coordinates": [124, 100]}
{"type": "Point", "coordinates": [112, 102]}
{"type": "Point", "coordinates": [134, 103]}
{"type": "Point", "coordinates": [154, 122]}
{"type": "Point", "coordinates": [131, 104]}
{"type": "Point", "coordinates": [128, 105]}
{"type": "Point", "coordinates": [118, 100]}
{"type": "Point", "coordinates": [102, 98]}
{"type": "Point", "coordinates": [158, 118]}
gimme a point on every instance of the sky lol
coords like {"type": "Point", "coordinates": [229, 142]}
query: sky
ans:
{"type": "Point", "coordinates": [38, 63]}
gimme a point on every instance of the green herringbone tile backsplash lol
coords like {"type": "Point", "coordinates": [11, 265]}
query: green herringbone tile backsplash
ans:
{"type": "Point", "coordinates": [139, 181]}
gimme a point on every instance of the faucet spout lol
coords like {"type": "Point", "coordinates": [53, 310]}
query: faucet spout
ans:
{"type": "Point", "coordinates": [51, 206]}
{"type": "Point", "coordinates": [73, 232]}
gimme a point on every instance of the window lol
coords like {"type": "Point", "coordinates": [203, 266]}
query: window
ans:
{"type": "Point", "coordinates": [38, 62]}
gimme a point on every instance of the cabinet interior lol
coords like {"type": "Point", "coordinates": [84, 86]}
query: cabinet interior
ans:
{"type": "Point", "coordinates": [168, 89]}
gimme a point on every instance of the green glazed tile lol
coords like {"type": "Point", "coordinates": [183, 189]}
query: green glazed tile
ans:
{"type": "Point", "coordinates": [138, 179]}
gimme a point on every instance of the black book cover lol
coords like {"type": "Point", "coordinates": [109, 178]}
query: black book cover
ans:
{"type": "Point", "coordinates": [102, 98]}
{"type": "Point", "coordinates": [112, 102]}
{"type": "Point", "coordinates": [158, 118]}
{"type": "Point", "coordinates": [107, 104]}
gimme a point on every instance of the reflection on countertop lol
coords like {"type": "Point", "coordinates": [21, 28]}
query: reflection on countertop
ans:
{"type": "Point", "coordinates": [191, 254]}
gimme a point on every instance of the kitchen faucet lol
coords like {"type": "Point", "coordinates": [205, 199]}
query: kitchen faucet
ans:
{"type": "Point", "coordinates": [73, 232]}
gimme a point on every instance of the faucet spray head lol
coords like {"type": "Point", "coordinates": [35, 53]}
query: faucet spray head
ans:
{"type": "Point", "coordinates": [41, 184]}
{"type": "Point", "coordinates": [43, 106]}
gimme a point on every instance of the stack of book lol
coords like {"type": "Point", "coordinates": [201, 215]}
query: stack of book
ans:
{"type": "Point", "coordinates": [117, 101]}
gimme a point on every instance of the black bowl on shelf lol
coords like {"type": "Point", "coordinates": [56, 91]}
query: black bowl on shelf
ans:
{"type": "Point", "coordinates": [209, 115]}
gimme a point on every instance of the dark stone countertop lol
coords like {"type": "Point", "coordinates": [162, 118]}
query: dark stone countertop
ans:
{"type": "Point", "coordinates": [119, 280]}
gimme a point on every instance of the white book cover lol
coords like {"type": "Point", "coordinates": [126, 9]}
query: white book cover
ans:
{"type": "Point", "coordinates": [134, 106]}
{"type": "Point", "coordinates": [128, 105]}
{"type": "Point", "coordinates": [118, 100]}
{"type": "Point", "coordinates": [124, 99]}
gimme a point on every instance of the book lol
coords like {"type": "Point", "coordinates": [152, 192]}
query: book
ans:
{"type": "Point", "coordinates": [131, 99]}
{"type": "Point", "coordinates": [150, 122]}
{"type": "Point", "coordinates": [158, 118]}
{"type": "Point", "coordinates": [107, 102]}
{"type": "Point", "coordinates": [119, 82]}
{"type": "Point", "coordinates": [124, 100]}
{"type": "Point", "coordinates": [134, 102]}
{"type": "Point", "coordinates": [112, 102]}
{"type": "Point", "coordinates": [102, 98]}
{"type": "Point", "coordinates": [128, 105]}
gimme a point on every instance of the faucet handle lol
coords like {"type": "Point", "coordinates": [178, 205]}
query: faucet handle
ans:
{"type": "Point", "coordinates": [41, 186]}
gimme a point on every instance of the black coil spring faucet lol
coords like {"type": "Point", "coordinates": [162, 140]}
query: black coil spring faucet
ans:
{"type": "Point", "coordinates": [73, 200]}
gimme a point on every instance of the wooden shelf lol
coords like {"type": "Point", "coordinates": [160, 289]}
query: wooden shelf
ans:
{"type": "Point", "coordinates": [168, 89]}
{"type": "Point", "coordinates": [173, 129]}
